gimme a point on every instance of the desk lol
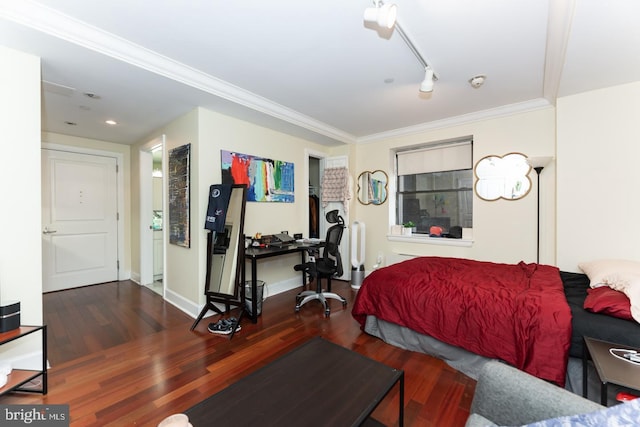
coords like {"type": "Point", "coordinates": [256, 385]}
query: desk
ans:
{"type": "Point", "coordinates": [316, 384]}
{"type": "Point", "coordinates": [253, 254]}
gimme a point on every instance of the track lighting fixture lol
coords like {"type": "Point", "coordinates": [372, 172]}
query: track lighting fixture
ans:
{"type": "Point", "coordinates": [384, 15]}
{"type": "Point", "coordinates": [427, 83]}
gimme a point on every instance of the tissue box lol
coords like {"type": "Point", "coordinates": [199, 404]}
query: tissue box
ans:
{"type": "Point", "coordinates": [9, 315]}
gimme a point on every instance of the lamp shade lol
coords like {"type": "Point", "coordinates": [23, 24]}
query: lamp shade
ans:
{"type": "Point", "coordinates": [539, 162]}
{"type": "Point", "coordinates": [427, 83]}
{"type": "Point", "coordinates": [383, 16]}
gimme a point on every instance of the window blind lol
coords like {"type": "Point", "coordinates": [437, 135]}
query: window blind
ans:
{"type": "Point", "coordinates": [451, 157]}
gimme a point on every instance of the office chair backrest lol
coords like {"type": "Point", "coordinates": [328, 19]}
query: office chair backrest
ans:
{"type": "Point", "coordinates": [332, 240]}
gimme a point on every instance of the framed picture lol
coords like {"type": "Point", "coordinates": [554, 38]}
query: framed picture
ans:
{"type": "Point", "coordinates": [179, 175]}
{"type": "Point", "coordinates": [267, 180]}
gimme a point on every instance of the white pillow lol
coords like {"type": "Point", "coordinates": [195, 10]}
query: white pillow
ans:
{"type": "Point", "coordinates": [611, 272]}
{"type": "Point", "coordinates": [621, 275]}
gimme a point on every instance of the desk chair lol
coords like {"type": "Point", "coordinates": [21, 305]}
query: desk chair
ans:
{"type": "Point", "coordinates": [324, 265]}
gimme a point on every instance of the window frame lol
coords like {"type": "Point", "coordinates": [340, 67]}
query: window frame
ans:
{"type": "Point", "coordinates": [394, 190]}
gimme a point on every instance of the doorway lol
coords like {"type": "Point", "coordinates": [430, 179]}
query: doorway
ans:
{"type": "Point", "coordinates": [316, 163]}
{"type": "Point", "coordinates": [313, 166]}
{"type": "Point", "coordinates": [152, 184]}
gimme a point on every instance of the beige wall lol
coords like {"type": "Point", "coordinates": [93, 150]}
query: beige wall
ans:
{"type": "Point", "coordinates": [83, 144]}
{"type": "Point", "coordinates": [20, 217]}
{"type": "Point", "coordinates": [503, 231]}
{"type": "Point", "coordinates": [208, 133]}
{"type": "Point", "coordinates": [598, 177]}
{"type": "Point", "coordinates": [219, 132]}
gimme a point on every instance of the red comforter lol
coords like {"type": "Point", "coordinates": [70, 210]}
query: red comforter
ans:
{"type": "Point", "coordinates": [514, 312]}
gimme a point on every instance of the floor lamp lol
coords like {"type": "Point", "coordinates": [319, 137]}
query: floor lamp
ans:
{"type": "Point", "coordinates": [538, 163]}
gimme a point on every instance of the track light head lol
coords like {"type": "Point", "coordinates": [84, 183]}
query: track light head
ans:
{"type": "Point", "coordinates": [427, 83]}
{"type": "Point", "coordinates": [384, 15]}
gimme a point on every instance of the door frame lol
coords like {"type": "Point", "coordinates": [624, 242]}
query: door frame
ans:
{"type": "Point", "coordinates": [146, 200]}
{"type": "Point", "coordinates": [317, 155]}
{"type": "Point", "coordinates": [121, 274]}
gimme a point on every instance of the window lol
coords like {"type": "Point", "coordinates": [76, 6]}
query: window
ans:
{"type": "Point", "coordinates": [435, 186]}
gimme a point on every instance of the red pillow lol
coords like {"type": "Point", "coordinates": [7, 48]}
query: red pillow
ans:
{"type": "Point", "coordinates": [605, 300]}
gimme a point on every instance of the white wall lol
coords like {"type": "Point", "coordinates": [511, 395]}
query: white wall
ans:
{"type": "Point", "coordinates": [598, 152]}
{"type": "Point", "coordinates": [503, 230]}
{"type": "Point", "coordinates": [20, 217]}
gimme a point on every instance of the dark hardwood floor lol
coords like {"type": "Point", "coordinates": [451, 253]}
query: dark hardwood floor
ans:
{"type": "Point", "coordinates": [121, 356]}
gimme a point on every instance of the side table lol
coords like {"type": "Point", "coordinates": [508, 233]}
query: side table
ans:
{"type": "Point", "coordinates": [609, 368]}
{"type": "Point", "coordinates": [19, 377]}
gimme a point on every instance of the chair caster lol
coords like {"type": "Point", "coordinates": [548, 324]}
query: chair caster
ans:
{"type": "Point", "coordinates": [327, 313]}
{"type": "Point", "coordinates": [297, 309]}
{"type": "Point", "coordinates": [344, 304]}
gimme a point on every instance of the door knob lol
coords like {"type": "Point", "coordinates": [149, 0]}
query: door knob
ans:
{"type": "Point", "coordinates": [47, 231]}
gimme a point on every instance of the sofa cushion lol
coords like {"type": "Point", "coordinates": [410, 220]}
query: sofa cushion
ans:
{"type": "Point", "coordinates": [476, 420]}
{"type": "Point", "coordinates": [507, 396]}
{"type": "Point", "coordinates": [624, 415]}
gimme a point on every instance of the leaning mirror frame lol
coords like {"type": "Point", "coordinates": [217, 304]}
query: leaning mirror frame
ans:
{"type": "Point", "coordinates": [373, 187]}
{"type": "Point", "coordinates": [502, 177]}
{"type": "Point", "coordinates": [226, 252]}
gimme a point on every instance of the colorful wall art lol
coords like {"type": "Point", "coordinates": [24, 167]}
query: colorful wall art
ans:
{"type": "Point", "coordinates": [179, 174]}
{"type": "Point", "coordinates": [267, 180]}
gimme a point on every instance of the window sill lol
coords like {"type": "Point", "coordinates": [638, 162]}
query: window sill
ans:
{"type": "Point", "coordinates": [424, 239]}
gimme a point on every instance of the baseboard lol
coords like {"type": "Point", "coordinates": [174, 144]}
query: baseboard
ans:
{"type": "Point", "coordinates": [124, 275]}
{"type": "Point", "coordinates": [283, 286]}
{"type": "Point", "coordinates": [182, 303]}
{"type": "Point", "coordinates": [193, 309]}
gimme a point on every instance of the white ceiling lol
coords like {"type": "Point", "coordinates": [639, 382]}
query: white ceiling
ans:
{"type": "Point", "coordinates": [314, 69]}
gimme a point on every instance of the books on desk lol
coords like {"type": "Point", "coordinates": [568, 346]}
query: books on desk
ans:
{"type": "Point", "coordinates": [308, 242]}
{"type": "Point", "coordinates": [312, 240]}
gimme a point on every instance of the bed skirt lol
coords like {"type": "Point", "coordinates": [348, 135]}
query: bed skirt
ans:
{"type": "Point", "coordinates": [469, 363]}
{"type": "Point", "coordinates": [459, 359]}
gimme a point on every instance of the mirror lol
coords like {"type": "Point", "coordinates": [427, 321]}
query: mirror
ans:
{"type": "Point", "coordinates": [225, 249]}
{"type": "Point", "coordinates": [505, 177]}
{"type": "Point", "coordinates": [372, 187]}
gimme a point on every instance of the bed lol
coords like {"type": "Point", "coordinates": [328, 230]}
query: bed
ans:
{"type": "Point", "coordinates": [468, 312]}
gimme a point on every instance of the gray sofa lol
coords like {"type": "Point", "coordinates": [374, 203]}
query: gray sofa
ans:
{"type": "Point", "coordinates": [507, 396]}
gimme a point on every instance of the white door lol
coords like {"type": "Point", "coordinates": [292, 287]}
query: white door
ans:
{"type": "Point", "coordinates": [336, 162]}
{"type": "Point", "coordinates": [79, 219]}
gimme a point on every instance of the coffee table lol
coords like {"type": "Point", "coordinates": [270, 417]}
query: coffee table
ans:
{"type": "Point", "coordinates": [316, 384]}
{"type": "Point", "coordinates": [610, 369]}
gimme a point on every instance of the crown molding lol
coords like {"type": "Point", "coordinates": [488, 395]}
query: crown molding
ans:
{"type": "Point", "coordinates": [57, 24]}
{"type": "Point", "coordinates": [50, 21]}
{"type": "Point", "coordinates": [493, 113]}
